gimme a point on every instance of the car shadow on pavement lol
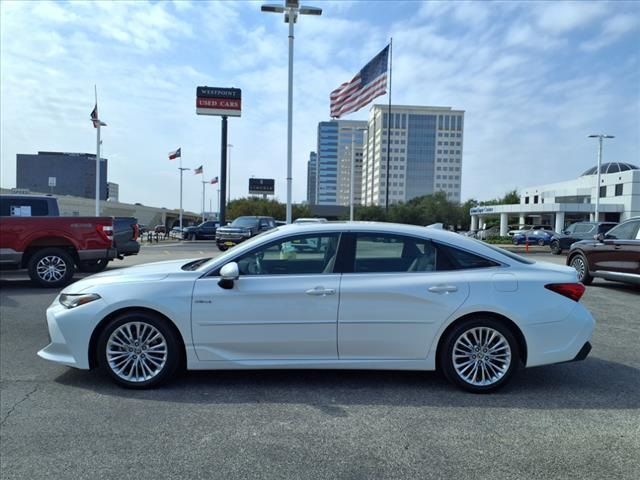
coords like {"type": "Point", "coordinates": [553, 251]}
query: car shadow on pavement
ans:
{"type": "Point", "coordinates": [591, 384]}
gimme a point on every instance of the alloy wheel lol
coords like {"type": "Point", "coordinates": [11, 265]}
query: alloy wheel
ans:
{"type": "Point", "coordinates": [136, 352]}
{"type": "Point", "coordinates": [481, 356]}
{"type": "Point", "coordinates": [51, 268]}
{"type": "Point", "coordinates": [578, 264]}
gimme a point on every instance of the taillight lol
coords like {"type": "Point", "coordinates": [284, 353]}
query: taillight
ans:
{"type": "Point", "coordinates": [136, 231]}
{"type": "Point", "coordinates": [574, 291]}
{"type": "Point", "coordinates": [106, 231]}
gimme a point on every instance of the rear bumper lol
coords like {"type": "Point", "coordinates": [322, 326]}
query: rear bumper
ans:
{"type": "Point", "coordinates": [97, 254]}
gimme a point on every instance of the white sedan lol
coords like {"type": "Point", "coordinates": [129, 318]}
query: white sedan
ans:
{"type": "Point", "coordinates": [371, 296]}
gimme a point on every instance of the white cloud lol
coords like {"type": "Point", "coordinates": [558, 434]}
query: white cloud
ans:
{"type": "Point", "coordinates": [614, 28]}
{"type": "Point", "coordinates": [565, 16]}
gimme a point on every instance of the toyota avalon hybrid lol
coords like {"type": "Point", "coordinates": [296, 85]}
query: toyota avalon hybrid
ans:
{"type": "Point", "coordinates": [367, 296]}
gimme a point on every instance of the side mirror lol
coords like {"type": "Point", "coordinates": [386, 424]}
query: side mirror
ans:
{"type": "Point", "coordinates": [566, 232]}
{"type": "Point", "coordinates": [228, 275]}
{"type": "Point", "coordinates": [599, 237]}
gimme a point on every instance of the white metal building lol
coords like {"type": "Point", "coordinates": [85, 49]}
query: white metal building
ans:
{"type": "Point", "coordinates": [558, 204]}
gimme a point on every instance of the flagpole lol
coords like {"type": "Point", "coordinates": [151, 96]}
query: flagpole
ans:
{"type": "Point", "coordinates": [203, 182]}
{"type": "Point", "coordinates": [389, 122]}
{"type": "Point", "coordinates": [95, 87]}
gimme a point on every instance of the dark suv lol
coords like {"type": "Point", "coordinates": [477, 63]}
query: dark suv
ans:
{"type": "Point", "coordinates": [578, 231]}
{"type": "Point", "coordinates": [614, 255]}
{"type": "Point", "coordinates": [241, 229]}
{"type": "Point", "coordinates": [206, 230]}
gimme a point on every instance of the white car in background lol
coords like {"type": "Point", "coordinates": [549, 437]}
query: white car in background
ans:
{"type": "Point", "coordinates": [371, 296]}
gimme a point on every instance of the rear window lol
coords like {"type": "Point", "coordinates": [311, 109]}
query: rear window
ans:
{"type": "Point", "coordinates": [509, 254]}
{"type": "Point", "coordinates": [23, 207]}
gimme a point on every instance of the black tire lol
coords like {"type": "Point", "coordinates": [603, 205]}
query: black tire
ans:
{"type": "Point", "coordinates": [51, 267]}
{"type": "Point", "coordinates": [555, 247]}
{"type": "Point", "coordinates": [446, 362]}
{"type": "Point", "coordinates": [515, 241]}
{"type": "Point", "coordinates": [579, 262]}
{"type": "Point", "coordinates": [541, 242]}
{"type": "Point", "coordinates": [93, 266]}
{"type": "Point", "coordinates": [164, 372]}
{"type": "Point", "coordinates": [222, 248]}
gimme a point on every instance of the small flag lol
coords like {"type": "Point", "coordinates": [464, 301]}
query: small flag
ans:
{"type": "Point", "coordinates": [369, 83]}
{"type": "Point", "coordinates": [175, 154]}
{"type": "Point", "coordinates": [214, 181]}
{"type": "Point", "coordinates": [94, 116]}
{"type": "Point", "coordinates": [198, 170]}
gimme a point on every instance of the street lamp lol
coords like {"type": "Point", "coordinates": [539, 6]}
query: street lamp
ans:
{"type": "Point", "coordinates": [182, 169]}
{"type": "Point", "coordinates": [291, 10]}
{"type": "Point", "coordinates": [599, 137]}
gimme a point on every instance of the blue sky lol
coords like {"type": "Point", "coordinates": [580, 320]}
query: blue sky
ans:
{"type": "Point", "coordinates": [535, 78]}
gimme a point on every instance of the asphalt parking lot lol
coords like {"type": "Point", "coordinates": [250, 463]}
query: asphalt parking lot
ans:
{"type": "Point", "coordinates": [578, 420]}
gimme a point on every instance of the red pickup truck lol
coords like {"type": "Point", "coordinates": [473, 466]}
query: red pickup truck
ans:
{"type": "Point", "coordinates": [51, 247]}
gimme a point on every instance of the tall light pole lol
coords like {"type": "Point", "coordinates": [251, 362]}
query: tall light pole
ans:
{"type": "Point", "coordinates": [291, 10]}
{"type": "Point", "coordinates": [229, 173]}
{"type": "Point", "coordinates": [203, 184]}
{"type": "Point", "coordinates": [599, 137]}
{"type": "Point", "coordinates": [181, 171]}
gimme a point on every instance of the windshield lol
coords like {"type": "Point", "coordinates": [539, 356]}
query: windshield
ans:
{"type": "Point", "coordinates": [244, 222]}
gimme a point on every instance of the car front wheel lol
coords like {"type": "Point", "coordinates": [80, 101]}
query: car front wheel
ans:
{"type": "Point", "coordinates": [480, 355]}
{"type": "Point", "coordinates": [138, 350]}
{"type": "Point", "coordinates": [582, 268]}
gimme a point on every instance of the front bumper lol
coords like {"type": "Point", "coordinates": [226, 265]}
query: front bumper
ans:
{"type": "Point", "coordinates": [70, 333]}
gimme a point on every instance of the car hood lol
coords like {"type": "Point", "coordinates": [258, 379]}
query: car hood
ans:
{"type": "Point", "coordinates": [148, 272]}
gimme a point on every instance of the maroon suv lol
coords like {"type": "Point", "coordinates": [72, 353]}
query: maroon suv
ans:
{"type": "Point", "coordinates": [614, 255]}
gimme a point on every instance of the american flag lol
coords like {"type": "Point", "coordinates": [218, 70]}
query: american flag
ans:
{"type": "Point", "coordinates": [369, 83]}
{"type": "Point", "coordinates": [94, 116]}
{"type": "Point", "coordinates": [214, 181]}
{"type": "Point", "coordinates": [175, 154]}
{"type": "Point", "coordinates": [198, 170]}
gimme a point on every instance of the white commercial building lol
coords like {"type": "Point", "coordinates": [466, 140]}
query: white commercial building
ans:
{"type": "Point", "coordinates": [558, 204]}
{"type": "Point", "coordinates": [425, 153]}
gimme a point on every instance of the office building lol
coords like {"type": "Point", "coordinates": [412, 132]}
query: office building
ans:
{"type": "Point", "coordinates": [425, 153]}
{"type": "Point", "coordinates": [61, 173]}
{"type": "Point", "coordinates": [335, 138]}
{"type": "Point", "coordinates": [113, 191]}
{"type": "Point", "coordinates": [562, 203]}
{"type": "Point", "coordinates": [312, 177]}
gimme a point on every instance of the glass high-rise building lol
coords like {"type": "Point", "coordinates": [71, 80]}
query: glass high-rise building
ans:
{"type": "Point", "coordinates": [335, 139]}
{"type": "Point", "coordinates": [312, 177]}
{"type": "Point", "coordinates": [425, 153]}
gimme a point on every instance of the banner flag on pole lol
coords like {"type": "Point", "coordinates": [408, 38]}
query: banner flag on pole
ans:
{"type": "Point", "coordinates": [94, 116]}
{"type": "Point", "coordinates": [214, 181]}
{"type": "Point", "coordinates": [369, 83]}
{"type": "Point", "coordinates": [175, 154]}
{"type": "Point", "coordinates": [198, 170]}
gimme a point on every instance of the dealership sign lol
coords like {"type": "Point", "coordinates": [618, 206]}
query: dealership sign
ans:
{"type": "Point", "coordinates": [218, 101]}
{"type": "Point", "coordinates": [261, 186]}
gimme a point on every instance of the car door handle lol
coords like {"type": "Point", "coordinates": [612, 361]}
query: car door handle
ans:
{"type": "Point", "coordinates": [443, 289]}
{"type": "Point", "coordinates": [320, 291]}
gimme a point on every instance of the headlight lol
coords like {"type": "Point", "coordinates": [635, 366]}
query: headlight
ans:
{"type": "Point", "coordinates": [72, 300]}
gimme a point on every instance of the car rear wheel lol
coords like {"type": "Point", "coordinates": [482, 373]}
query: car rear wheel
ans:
{"type": "Point", "coordinates": [555, 247]}
{"type": "Point", "coordinates": [579, 262]}
{"type": "Point", "coordinates": [480, 355]}
{"type": "Point", "coordinates": [138, 350]}
{"type": "Point", "coordinates": [51, 267]}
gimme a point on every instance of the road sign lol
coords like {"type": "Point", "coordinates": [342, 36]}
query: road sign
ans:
{"type": "Point", "coordinates": [218, 101]}
{"type": "Point", "coordinates": [52, 181]}
{"type": "Point", "coordinates": [261, 186]}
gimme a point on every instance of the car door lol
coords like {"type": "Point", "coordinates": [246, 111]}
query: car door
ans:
{"type": "Point", "coordinates": [392, 298]}
{"type": "Point", "coordinates": [208, 230]}
{"type": "Point", "coordinates": [283, 306]}
{"type": "Point", "coordinates": [619, 251]}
